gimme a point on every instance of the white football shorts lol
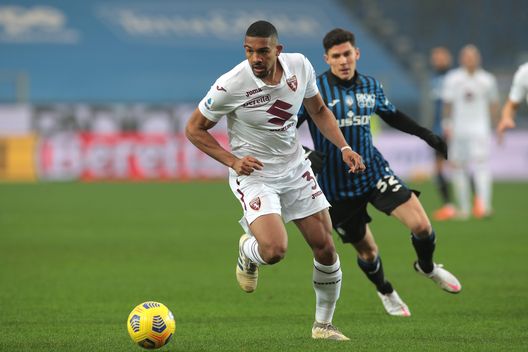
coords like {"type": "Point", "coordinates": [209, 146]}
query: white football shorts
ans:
{"type": "Point", "coordinates": [293, 196]}
{"type": "Point", "coordinates": [467, 149]}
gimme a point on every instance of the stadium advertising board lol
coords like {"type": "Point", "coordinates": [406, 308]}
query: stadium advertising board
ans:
{"type": "Point", "coordinates": [17, 158]}
{"type": "Point", "coordinates": [132, 142]}
{"type": "Point", "coordinates": [125, 156]}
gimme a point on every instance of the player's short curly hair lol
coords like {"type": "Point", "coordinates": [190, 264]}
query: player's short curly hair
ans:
{"type": "Point", "coordinates": [338, 36]}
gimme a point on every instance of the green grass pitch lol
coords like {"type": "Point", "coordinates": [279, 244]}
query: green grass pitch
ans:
{"type": "Point", "coordinates": [76, 258]}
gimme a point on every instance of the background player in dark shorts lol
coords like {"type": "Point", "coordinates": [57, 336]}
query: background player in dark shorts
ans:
{"type": "Point", "coordinates": [441, 61]}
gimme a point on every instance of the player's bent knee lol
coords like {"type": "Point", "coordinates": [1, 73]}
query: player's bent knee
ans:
{"type": "Point", "coordinates": [324, 243]}
{"type": "Point", "coordinates": [422, 228]}
{"type": "Point", "coordinates": [275, 258]}
{"type": "Point", "coordinates": [368, 255]}
{"type": "Point", "coordinates": [325, 253]}
{"type": "Point", "coordinates": [273, 254]}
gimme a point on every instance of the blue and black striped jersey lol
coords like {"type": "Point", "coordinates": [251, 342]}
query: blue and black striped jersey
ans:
{"type": "Point", "coordinates": [352, 102]}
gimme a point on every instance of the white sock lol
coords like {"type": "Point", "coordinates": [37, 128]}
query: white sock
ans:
{"type": "Point", "coordinates": [483, 183]}
{"type": "Point", "coordinates": [327, 286]}
{"type": "Point", "coordinates": [461, 186]}
{"type": "Point", "coordinates": [251, 250]}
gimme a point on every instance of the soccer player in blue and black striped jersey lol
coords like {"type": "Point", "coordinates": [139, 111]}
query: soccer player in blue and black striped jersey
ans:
{"type": "Point", "coordinates": [353, 98]}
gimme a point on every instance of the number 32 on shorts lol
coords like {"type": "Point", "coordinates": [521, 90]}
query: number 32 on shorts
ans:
{"type": "Point", "coordinates": [388, 182]}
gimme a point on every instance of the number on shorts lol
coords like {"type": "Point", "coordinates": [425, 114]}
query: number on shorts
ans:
{"type": "Point", "coordinates": [387, 182]}
{"type": "Point", "coordinates": [309, 178]}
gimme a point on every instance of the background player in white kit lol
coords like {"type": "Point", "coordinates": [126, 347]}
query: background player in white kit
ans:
{"type": "Point", "coordinates": [471, 98]}
{"type": "Point", "coordinates": [268, 172]}
{"type": "Point", "coordinates": [518, 92]}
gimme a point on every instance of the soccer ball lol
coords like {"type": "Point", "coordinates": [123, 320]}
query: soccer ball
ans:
{"type": "Point", "coordinates": [151, 325]}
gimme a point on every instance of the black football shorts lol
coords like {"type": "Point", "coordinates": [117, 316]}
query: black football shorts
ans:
{"type": "Point", "coordinates": [350, 216]}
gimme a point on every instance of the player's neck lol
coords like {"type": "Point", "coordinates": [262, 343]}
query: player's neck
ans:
{"type": "Point", "coordinates": [274, 76]}
{"type": "Point", "coordinates": [471, 71]}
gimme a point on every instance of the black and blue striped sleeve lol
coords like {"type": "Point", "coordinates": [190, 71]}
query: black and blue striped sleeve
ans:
{"type": "Point", "coordinates": [383, 104]}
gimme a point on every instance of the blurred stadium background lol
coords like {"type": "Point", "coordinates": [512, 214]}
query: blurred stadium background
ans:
{"type": "Point", "coordinates": [101, 90]}
{"type": "Point", "coordinates": [85, 86]}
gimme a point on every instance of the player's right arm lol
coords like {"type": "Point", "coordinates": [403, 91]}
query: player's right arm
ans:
{"type": "Point", "coordinates": [197, 131]}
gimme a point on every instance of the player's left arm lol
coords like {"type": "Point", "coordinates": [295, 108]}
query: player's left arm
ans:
{"type": "Point", "coordinates": [404, 123]}
{"type": "Point", "coordinates": [518, 91]}
{"type": "Point", "coordinates": [507, 120]}
{"type": "Point", "coordinates": [399, 120]}
{"type": "Point", "coordinates": [315, 156]}
{"type": "Point", "coordinates": [326, 122]}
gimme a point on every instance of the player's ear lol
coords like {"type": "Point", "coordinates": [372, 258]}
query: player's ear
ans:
{"type": "Point", "coordinates": [326, 58]}
{"type": "Point", "coordinates": [358, 54]}
{"type": "Point", "coordinates": [279, 49]}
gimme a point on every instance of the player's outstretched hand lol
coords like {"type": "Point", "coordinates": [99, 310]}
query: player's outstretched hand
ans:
{"type": "Point", "coordinates": [246, 165]}
{"type": "Point", "coordinates": [503, 125]}
{"type": "Point", "coordinates": [438, 143]}
{"type": "Point", "coordinates": [353, 160]}
{"type": "Point", "coordinates": [316, 158]}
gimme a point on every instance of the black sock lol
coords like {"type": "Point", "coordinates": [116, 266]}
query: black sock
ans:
{"type": "Point", "coordinates": [443, 188]}
{"type": "Point", "coordinates": [472, 184]}
{"type": "Point", "coordinates": [374, 272]}
{"type": "Point", "coordinates": [424, 248]}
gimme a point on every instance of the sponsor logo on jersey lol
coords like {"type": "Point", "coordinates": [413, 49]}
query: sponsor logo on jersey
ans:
{"type": "Point", "coordinates": [254, 91]}
{"type": "Point", "coordinates": [257, 101]}
{"type": "Point", "coordinates": [255, 203]}
{"type": "Point", "coordinates": [282, 129]}
{"type": "Point", "coordinates": [365, 100]}
{"type": "Point", "coordinates": [354, 120]}
{"type": "Point", "coordinates": [349, 100]}
{"type": "Point", "coordinates": [209, 103]}
{"type": "Point", "coordinates": [220, 88]}
{"type": "Point", "coordinates": [292, 82]}
{"type": "Point", "coordinates": [279, 109]}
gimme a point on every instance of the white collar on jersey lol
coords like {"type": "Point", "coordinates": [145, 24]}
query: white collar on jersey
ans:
{"type": "Point", "coordinates": [260, 83]}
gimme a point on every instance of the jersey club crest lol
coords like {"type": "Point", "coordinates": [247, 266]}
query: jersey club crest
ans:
{"type": "Point", "coordinates": [255, 203]}
{"type": "Point", "coordinates": [292, 82]}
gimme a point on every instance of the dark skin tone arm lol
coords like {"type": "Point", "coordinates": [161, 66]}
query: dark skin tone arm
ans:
{"type": "Point", "coordinates": [197, 131]}
{"type": "Point", "coordinates": [326, 122]}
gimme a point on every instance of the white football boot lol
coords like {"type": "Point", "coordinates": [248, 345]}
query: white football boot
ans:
{"type": "Point", "coordinates": [246, 270]}
{"type": "Point", "coordinates": [443, 278]}
{"type": "Point", "coordinates": [327, 331]}
{"type": "Point", "coordinates": [394, 305]}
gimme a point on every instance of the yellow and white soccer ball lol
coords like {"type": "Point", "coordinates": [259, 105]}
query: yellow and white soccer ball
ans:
{"type": "Point", "coordinates": [151, 325]}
